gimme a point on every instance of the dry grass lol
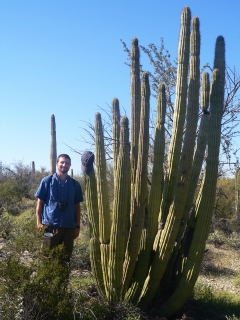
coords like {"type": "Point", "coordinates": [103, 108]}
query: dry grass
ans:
{"type": "Point", "coordinates": [221, 269]}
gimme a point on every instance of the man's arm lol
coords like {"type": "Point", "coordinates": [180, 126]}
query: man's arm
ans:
{"type": "Point", "coordinates": [77, 210]}
{"type": "Point", "coordinates": [39, 209]}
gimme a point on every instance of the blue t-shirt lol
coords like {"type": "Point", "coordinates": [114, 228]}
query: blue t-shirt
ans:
{"type": "Point", "coordinates": [52, 191]}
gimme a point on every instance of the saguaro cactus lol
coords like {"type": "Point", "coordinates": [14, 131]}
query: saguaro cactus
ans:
{"type": "Point", "coordinates": [53, 145]}
{"type": "Point", "coordinates": [158, 229]}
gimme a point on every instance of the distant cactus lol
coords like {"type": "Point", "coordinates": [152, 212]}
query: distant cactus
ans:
{"type": "Point", "coordinates": [154, 239]}
{"type": "Point", "coordinates": [33, 167]}
{"type": "Point", "coordinates": [53, 145]}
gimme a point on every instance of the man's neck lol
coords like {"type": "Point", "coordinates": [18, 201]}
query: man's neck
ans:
{"type": "Point", "coordinates": [62, 176]}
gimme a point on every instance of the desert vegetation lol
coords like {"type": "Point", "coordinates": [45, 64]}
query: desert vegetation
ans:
{"type": "Point", "coordinates": [35, 285]}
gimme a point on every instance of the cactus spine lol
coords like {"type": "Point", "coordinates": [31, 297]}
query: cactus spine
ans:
{"type": "Point", "coordinates": [53, 145]}
{"type": "Point", "coordinates": [158, 230]}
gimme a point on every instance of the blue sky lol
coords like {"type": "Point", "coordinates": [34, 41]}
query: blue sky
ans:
{"type": "Point", "coordinates": [65, 58]}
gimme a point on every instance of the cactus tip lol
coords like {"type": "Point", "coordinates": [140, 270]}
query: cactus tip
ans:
{"type": "Point", "coordinates": [161, 86]}
{"type": "Point", "coordinates": [124, 121]}
{"type": "Point", "coordinates": [195, 22]}
{"type": "Point", "coordinates": [115, 101]}
{"type": "Point", "coordinates": [135, 41]}
{"type": "Point", "coordinates": [220, 41]}
{"type": "Point", "coordinates": [145, 75]}
{"type": "Point", "coordinates": [98, 116]}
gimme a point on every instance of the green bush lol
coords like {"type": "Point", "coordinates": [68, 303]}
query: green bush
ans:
{"type": "Point", "coordinates": [10, 198]}
{"type": "Point", "coordinates": [219, 237]}
{"type": "Point", "coordinates": [39, 286]}
{"type": "Point", "coordinates": [219, 304]}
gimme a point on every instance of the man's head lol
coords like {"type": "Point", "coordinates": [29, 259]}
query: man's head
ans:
{"type": "Point", "coordinates": [63, 163]}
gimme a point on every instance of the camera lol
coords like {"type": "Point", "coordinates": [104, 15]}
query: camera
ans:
{"type": "Point", "coordinates": [62, 206]}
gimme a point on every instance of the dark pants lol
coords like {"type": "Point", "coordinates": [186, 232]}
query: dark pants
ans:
{"type": "Point", "coordinates": [60, 235]}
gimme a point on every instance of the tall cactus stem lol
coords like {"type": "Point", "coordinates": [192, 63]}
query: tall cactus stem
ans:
{"type": "Point", "coordinates": [115, 131]}
{"type": "Point", "coordinates": [204, 203]}
{"type": "Point", "coordinates": [33, 167]}
{"type": "Point", "coordinates": [157, 171]}
{"type": "Point", "coordinates": [169, 232]}
{"type": "Point", "coordinates": [102, 191]}
{"type": "Point", "coordinates": [135, 105]}
{"type": "Point", "coordinates": [119, 231]}
{"type": "Point", "coordinates": [139, 193]}
{"type": "Point", "coordinates": [151, 221]}
{"type": "Point", "coordinates": [92, 203]}
{"type": "Point", "coordinates": [53, 145]}
{"type": "Point", "coordinates": [96, 265]}
{"type": "Point", "coordinates": [179, 114]}
{"type": "Point", "coordinates": [183, 233]}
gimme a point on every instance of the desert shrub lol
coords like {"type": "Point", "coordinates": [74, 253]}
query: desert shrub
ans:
{"type": "Point", "coordinates": [6, 225]}
{"type": "Point", "coordinates": [10, 198]}
{"type": "Point", "coordinates": [89, 308]}
{"type": "Point", "coordinates": [81, 253]}
{"type": "Point", "coordinates": [219, 237]}
{"type": "Point", "coordinates": [39, 286]}
{"type": "Point", "coordinates": [221, 304]}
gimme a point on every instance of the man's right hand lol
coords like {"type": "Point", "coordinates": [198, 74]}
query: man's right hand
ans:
{"type": "Point", "coordinates": [39, 210]}
{"type": "Point", "coordinates": [39, 226]}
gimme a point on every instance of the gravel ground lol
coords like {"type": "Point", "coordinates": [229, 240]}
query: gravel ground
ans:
{"type": "Point", "coordinates": [220, 269]}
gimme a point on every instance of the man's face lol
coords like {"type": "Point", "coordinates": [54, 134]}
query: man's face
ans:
{"type": "Point", "coordinates": [63, 165]}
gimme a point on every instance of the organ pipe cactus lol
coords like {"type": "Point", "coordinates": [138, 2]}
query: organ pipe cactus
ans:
{"type": "Point", "coordinates": [53, 145]}
{"type": "Point", "coordinates": [152, 243]}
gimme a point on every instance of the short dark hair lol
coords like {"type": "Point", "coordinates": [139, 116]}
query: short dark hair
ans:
{"type": "Point", "coordinates": [64, 155]}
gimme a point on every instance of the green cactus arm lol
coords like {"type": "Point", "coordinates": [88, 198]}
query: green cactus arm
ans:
{"type": "Point", "coordinates": [102, 191]}
{"type": "Point", "coordinates": [149, 233]}
{"type": "Point", "coordinates": [141, 270]}
{"type": "Point", "coordinates": [201, 143]}
{"type": "Point", "coordinates": [115, 131]}
{"type": "Point", "coordinates": [135, 105]}
{"type": "Point", "coordinates": [104, 252]}
{"type": "Point", "coordinates": [188, 170]}
{"type": "Point", "coordinates": [204, 203]}
{"type": "Point", "coordinates": [204, 103]}
{"type": "Point", "coordinates": [193, 104]}
{"type": "Point", "coordinates": [220, 62]}
{"type": "Point", "coordinates": [96, 266]}
{"type": "Point", "coordinates": [157, 171]}
{"type": "Point", "coordinates": [196, 170]}
{"type": "Point", "coordinates": [139, 192]}
{"type": "Point", "coordinates": [53, 145]}
{"type": "Point", "coordinates": [92, 203]}
{"type": "Point", "coordinates": [179, 115]}
{"type": "Point", "coordinates": [119, 231]}
{"type": "Point", "coordinates": [173, 218]}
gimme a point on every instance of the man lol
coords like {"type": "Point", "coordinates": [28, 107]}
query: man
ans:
{"type": "Point", "coordinates": [58, 207]}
